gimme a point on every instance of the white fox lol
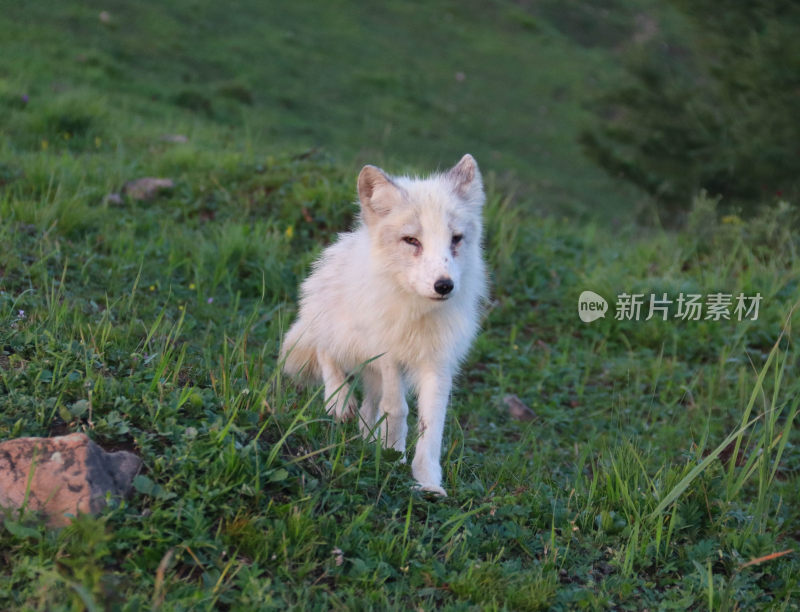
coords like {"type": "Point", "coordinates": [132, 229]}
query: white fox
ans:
{"type": "Point", "coordinates": [401, 295]}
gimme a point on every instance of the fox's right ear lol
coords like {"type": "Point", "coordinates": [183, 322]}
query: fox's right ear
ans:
{"type": "Point", "coordinates": [377, 193]}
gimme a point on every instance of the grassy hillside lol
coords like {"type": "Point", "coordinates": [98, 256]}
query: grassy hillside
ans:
{"type": "Point", "coordinates": [660, 469]}
{"type": "Point", "coordinates": [415, 84]}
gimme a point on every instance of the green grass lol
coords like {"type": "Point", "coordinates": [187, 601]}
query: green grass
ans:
{"type": "Point", "coordinates": [663, 457]}
{"type": "Point", "coordinates": [378, 86]}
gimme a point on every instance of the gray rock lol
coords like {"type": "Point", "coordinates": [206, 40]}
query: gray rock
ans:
{"type": "Point", "coordinates": [175, 138]}
{"type": "Point", "coordinates": [147, 188]}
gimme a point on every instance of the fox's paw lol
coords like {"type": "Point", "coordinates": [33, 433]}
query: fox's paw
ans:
{"type": "Point", "coordinates": [349, 410]}
{"type": "Point", "coordinates": [436, 490]}
{"type": "Point", "coordinates": [428, 475]}
{"type": "Point", "coordinates": [342, 407]}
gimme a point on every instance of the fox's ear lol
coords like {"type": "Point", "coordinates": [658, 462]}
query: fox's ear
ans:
{"type": "Point", "coordinates": [377, 193]}
{"type": "Point", "coordinates": [466, 179]}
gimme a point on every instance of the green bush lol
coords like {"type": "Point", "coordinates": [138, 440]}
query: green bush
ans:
{"type": "Point", "coordinates": [716, 111]}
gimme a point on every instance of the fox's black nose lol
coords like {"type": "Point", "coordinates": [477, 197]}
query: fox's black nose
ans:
{"type": "Point", "coordinates": [443, 286]}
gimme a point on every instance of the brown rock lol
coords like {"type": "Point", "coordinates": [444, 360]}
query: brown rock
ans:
{"type": "Point", "coordinates": [147, 188]}
{"type": "Point", "coordinates": [67, 475]}
{"type": "Point", "coordinates": [518, 409]}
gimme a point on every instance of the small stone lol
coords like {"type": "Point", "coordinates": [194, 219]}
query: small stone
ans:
{"type": "Point", "coordinates": [518, 409]}
{"type": "Point", "coordinates": [67, 474]}
{"type": "Point", "coordinates": [176, 138]}
{"type": "Point", "coordinates": [147, 188]}
{"type": "Point", "coordinates": [114, 199]}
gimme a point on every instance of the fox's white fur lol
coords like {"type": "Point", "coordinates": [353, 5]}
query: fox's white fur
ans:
{"type": "Point", "coordinates": [400, 293]}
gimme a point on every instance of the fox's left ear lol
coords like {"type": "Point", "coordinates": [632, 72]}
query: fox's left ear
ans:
{"type": "Point", "coordinates": [466, 179]}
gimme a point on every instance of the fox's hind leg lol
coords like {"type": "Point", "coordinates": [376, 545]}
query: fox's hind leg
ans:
{"type": "Point", "coordinates": [339, 400]}
{"type": "Point", "coordinates": [393, 406]}
{"type": "Point", "coordinates": [368, 414]}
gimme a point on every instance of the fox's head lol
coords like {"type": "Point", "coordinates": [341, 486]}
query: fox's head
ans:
{"type": "Point", "coordinates": [426, 232]}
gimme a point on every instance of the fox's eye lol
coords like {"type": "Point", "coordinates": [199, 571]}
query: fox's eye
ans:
{"type": "Point", "coordinates": [456, 239]}
{"type": "Point", "coordinates": [412, 241]}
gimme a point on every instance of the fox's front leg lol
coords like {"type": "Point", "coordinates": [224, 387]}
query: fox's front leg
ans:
{"type": "Point", "coordinates": [434, 391]}
{"type": "Point", "coordinates": [393, 406]}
